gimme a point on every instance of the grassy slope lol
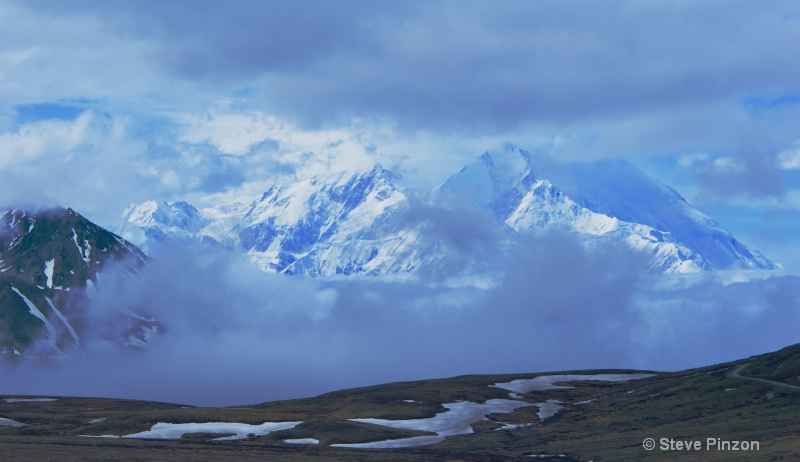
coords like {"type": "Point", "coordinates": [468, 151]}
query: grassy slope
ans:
{"type": "Point", "coordinates": [688, 405]}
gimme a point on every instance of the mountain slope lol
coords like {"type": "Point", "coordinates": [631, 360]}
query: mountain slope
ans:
{"type": "Point", "coordinates": [48, 260]}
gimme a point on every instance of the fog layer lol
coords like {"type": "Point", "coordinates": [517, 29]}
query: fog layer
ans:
{"type": "Point", "coordinates": [234, 335]}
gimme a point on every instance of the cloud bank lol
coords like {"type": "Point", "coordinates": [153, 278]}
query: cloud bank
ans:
{"type": "Point", "coordinates": [233, 335]}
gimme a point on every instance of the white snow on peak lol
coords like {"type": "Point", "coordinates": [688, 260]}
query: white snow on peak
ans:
{"type": "Point", "coordinates": [153, 220]}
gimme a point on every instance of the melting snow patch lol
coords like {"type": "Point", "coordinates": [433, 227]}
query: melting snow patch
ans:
{"type": "Point", "coordinates": [409, 401]}
{"type": "Point", "coordinates": [29, 400]}
{"type": "Point", "coordinates": [11, 423]}
{"type": "Point", "coordinates": [302, 441]}
{"type": "Point", "coordinates": [548, 409]}
{"type": "Point", "coordinates": [508, 426]}
{"type": "Point", "coordinates": [457, 420]}
{"type": "Point", "coordinates": [94, 421]}
{"type": "Point", "coordinates": [547, 382]}
{"type": "Point", "coordinates": [168, 431]}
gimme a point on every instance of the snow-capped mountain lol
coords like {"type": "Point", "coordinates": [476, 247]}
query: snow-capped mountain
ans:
{"type": "Point", "coordinates": [151, 221]}
{"type": "Point", "coordinates": [338, 224]}
{"type": "Point", "coordinates": [601, 200]}
{"type": "Point", "coordinates": [49, 259]}
{"type": "Point", "coordinates": [361, 223]}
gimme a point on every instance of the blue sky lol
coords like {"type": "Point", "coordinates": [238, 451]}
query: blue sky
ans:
{"type": "Point", "coordinates": [105, 103]}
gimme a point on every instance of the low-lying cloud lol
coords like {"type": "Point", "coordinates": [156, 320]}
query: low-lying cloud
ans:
{"type": "Point", "coordinates": [234, 335]}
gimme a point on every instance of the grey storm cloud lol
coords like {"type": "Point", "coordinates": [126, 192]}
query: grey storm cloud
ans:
{"type": "Point", "coordinates": [469, 65]}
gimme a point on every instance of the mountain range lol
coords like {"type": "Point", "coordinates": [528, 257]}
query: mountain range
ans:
{"type": "Point", "coordinates": [361, 223]}
{"type": "Point", "coordinates": [349, 224]}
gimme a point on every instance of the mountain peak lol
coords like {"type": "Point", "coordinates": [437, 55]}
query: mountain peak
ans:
{"type": "Point", "coordinates": [47, 260]}
{"type": "Point", "coordinates": [596, 199]}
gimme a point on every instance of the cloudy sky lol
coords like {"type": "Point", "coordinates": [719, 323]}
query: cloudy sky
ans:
{"type": "Point", "coordinates": [104, 103]}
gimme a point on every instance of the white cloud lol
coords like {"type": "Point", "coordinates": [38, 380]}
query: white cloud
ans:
{"type": "Point", "coordinates": [790, 159]}
{"type": "Point", "coordinates": [232, 133]}
{"type": "Point", "coordinates": [687, 160]}
{"type": "Point", "coordinates": [47, 138]}
{"type": "Point", "coordinates": [727, 164]}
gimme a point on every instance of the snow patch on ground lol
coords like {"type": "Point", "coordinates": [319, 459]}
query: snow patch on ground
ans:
{"type": "Point", "coordinates": [548, 409]}
{"type": "Point", "coordinates": [169, 431]}
{"type": "Point", "coordinates": [29, 400]}
{"type": "Point", "coordinates": [509, 426]}
{"type": "Point", "coordinates": [547, 382]}
{"type": "Point", "coordinates": [457, 420]}
{"type": "Point", "coordinates": [10, 423]}
{"type": "Point", "coordinates": [302, 441]}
